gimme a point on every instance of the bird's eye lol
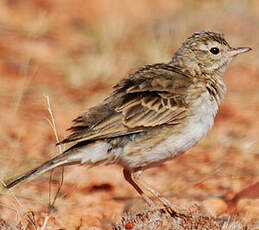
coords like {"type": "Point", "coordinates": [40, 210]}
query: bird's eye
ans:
{"type": "Point", "coordinates": [214, 50]}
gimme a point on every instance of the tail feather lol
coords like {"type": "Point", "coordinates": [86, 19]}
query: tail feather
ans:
{"type": "Point", "coordinates": [81, 153]}
{"type": "Point", "coordinates": [57, 161]}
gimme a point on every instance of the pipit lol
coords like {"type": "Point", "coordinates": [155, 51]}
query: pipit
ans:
{"type": "Point", "coordinates": [153, 115]}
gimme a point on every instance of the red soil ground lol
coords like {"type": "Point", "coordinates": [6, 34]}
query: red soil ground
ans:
{"type": "Point", "coordinates": [74, 52]}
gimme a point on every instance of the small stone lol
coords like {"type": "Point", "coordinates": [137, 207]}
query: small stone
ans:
{"type": "Point", "coordinates": [214, 206]}
{"type": "Point", "coordinates": [129, 225]}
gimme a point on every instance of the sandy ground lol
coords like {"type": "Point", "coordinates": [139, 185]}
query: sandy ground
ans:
{"type": "Point", "coordinates": [73, 53]}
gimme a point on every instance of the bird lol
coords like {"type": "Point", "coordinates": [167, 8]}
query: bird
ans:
{"type": "Point", "coordinates": [153, 115]}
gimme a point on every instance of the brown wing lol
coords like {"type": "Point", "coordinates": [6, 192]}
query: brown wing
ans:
{"type": "Point", "coordinates": [152, 96]}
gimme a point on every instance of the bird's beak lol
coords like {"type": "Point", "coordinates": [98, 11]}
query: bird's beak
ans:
{"type": "Point", "coordinates": [236, 51]}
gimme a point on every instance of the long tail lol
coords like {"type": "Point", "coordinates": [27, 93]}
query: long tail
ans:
{"type": "Point", "coordinates": [57, 161]}
{"type": "Point", "coordinates": [80, 153]}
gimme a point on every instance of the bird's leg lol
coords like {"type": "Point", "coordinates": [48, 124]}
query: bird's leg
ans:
{"type": "Point", "coordinates": [128, 177]}
{"type": "Point", "coordinates": [161, 198]}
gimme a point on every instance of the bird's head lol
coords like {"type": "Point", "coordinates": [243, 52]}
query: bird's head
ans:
{"type": "Point", "coordinates": [206, 52]}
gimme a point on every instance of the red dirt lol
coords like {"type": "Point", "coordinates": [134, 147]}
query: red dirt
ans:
{"type": "Point", "coordinates": [74, 53]}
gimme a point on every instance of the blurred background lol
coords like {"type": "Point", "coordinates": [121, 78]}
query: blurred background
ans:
{"type": "Point", "coordinates": [73, 52]}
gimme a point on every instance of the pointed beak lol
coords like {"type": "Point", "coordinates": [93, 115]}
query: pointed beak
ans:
{"type": "Point", "coordinates": [236, 51]}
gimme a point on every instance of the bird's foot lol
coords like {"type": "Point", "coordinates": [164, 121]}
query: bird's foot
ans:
{"type": "Point", "coordinates": [168, 206]}
{"type": "Point", "coordinates": [174, 209]}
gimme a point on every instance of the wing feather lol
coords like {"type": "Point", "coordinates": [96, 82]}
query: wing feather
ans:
{"type": "Point", "coordinates": [152, 96]}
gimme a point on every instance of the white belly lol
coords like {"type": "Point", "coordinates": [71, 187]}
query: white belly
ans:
{"type": "Point", "coordinates": [196, 127]}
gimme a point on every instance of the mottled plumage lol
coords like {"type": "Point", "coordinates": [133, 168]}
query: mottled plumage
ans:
{"type": "Point", "coordinates": [154, 114]}
{"type": "Point", "coordinates": [150, 97]}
